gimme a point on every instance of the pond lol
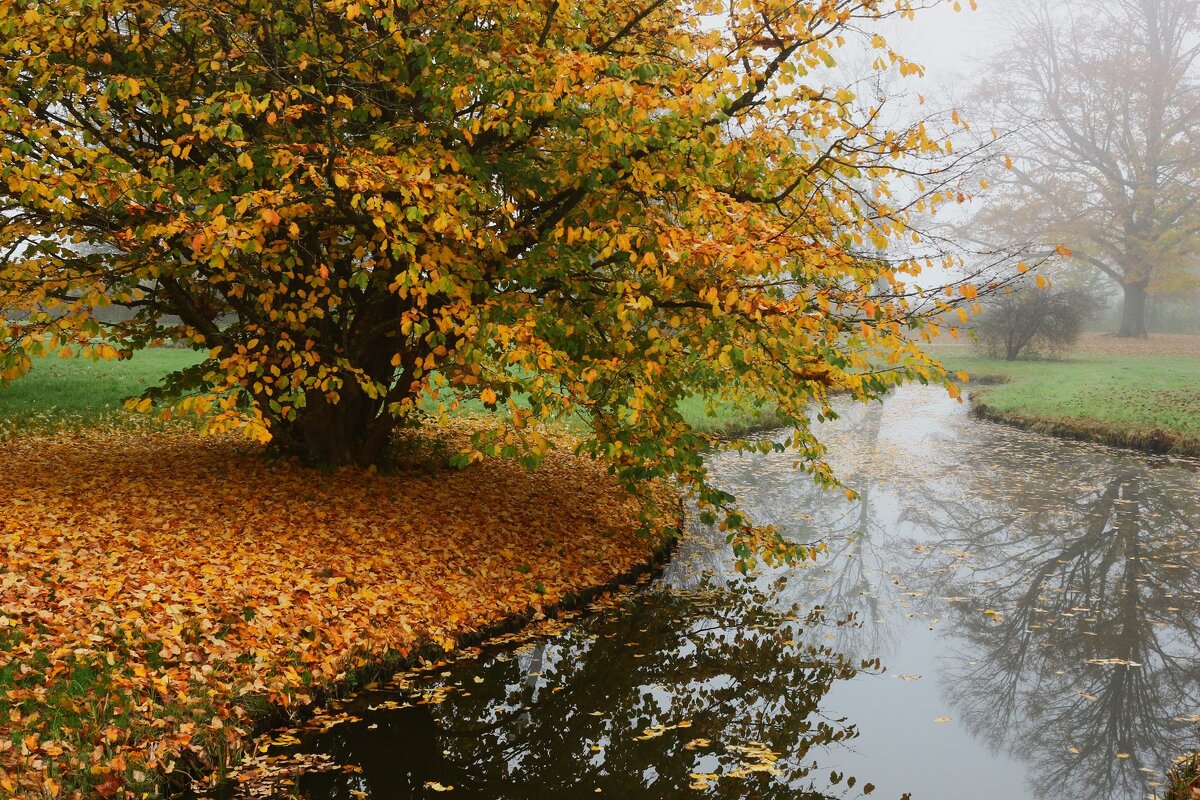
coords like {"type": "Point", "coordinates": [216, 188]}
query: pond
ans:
{"type": "Point", "coordinates": [1000, 616]}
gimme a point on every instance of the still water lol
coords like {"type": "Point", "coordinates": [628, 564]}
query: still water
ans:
{"type": "Point", "coordinates": [1000, 616]}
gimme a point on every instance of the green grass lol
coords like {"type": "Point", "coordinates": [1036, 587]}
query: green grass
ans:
{"type": "Point", "coordinates": [730, 419]}
{"type": "Point", "coordinates": [1184, 778]}
{"type": "Point", "coordinates": [71, 392]}
{"type": "Point", "coordinates": [76, 391]}
{"type": "Point", "coordinates": [1133, 393]}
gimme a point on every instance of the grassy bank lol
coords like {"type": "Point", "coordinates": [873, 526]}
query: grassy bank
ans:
{"type": "Point", "coordinates": [1184, 779]}
{"type": "Point", "coordinates": [74, 393]}
{"type": "Point", "coordinates": [1145, 402]}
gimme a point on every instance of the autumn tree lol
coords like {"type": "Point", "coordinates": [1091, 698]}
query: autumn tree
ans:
{"type": "Point", "coordinates": [356, 207]}
{"type": "Point", "coordinates": [1099, 102]}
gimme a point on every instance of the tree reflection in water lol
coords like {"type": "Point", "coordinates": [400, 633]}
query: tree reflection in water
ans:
{"type": "Point", "coordinates": [1089, 666]}
{"type": "Point", "coordinates": [852, 581]}
{"type": "Point", "coordinates": [1062, 582]}
{"type": "Point", "coordinates": [601, 707]}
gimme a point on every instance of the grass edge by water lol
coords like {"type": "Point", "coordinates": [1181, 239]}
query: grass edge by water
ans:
{"type": "Point", "coordinates": [1155, 441]}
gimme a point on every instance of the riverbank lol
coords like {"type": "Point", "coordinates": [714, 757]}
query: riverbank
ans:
{"type": "Point", "coordinates": [161, 595]}
{"type": "Point", "coordinates": [1184, 780]}
{"type": "Point", "coordinates": [1143, 396]}
{"type": "Point", "coordinates": [1147, 440]}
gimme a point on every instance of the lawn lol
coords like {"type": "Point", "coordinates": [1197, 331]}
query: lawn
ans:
{"type": "Point", "coordinates": [76, 392]}
{"type": "Point", "coordinates": [1129, 394]}
{"type": "Point", "coordinates": [1130, 391]}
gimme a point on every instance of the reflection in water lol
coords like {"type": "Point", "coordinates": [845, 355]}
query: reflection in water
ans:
{"type": "Point", "coordinates": [654, 699]}
{"type": "Point", "coordinates": [1093, 660]}
{"type": "Point", "coordinates": [1061, 580]}
{"type": "Point", "coordinates": [1047, 592]}
{"type": "Point", "coordinates": [852, 580]}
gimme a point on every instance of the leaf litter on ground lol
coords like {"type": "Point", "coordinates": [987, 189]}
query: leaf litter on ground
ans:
{"type": "Point", "coordinates": [156, 588]}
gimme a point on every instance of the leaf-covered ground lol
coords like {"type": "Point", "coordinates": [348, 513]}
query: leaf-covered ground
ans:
{"type": "Point", "coordinates": [157, 588]}
{"type": "Point", "coordinates": [1158, 344]}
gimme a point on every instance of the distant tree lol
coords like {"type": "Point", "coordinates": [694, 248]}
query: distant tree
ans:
{"type": "Point", "coordinates": [1026, 316]}
{"type": "Point", "coordinates": [1174, 302]}
{"type": "Point", "coordinates": [1099, 101]}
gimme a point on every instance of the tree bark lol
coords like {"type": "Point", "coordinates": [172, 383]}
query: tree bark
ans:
{"type": "Point", "coordinates": [1011, 351]}
{"type": "Point", "coordinates": [354, 431]}
{"type": "Point", "coordinates": [1133, 312]}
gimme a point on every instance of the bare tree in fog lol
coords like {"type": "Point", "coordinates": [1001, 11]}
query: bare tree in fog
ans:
{"type": "Point", "coordinates": [1101, 103]}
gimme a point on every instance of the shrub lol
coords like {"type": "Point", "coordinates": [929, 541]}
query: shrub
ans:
{"type": "Point", "coordinates": [1027, 317]}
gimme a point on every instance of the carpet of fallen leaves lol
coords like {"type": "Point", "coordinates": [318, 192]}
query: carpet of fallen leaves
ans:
{"type": "Point", "coordinates": [1158, 344]}
{"type": "Point", "coordinates": [155, 587]}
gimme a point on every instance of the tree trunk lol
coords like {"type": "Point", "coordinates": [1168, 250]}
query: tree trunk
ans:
{"type": "Point", "coordinates": [357, 428]}
{"type": "Point", "coordinates": [1133, 312]}
{"type": "Point", "coordinates": [355, 431]}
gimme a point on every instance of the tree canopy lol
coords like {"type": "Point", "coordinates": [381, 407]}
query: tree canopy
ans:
{"type": "Point", "coordinates": [364, 210]}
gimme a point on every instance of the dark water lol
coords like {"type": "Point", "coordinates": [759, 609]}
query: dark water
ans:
{"type": "Point", "coordinates": [1001, 616]}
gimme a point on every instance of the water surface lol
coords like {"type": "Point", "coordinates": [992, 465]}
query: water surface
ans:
{"type": "Point", "coordinates": [1000, 616]}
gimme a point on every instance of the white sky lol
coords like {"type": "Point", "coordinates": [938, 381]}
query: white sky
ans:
{"type": "Point", "coordinates": [951, 46]}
